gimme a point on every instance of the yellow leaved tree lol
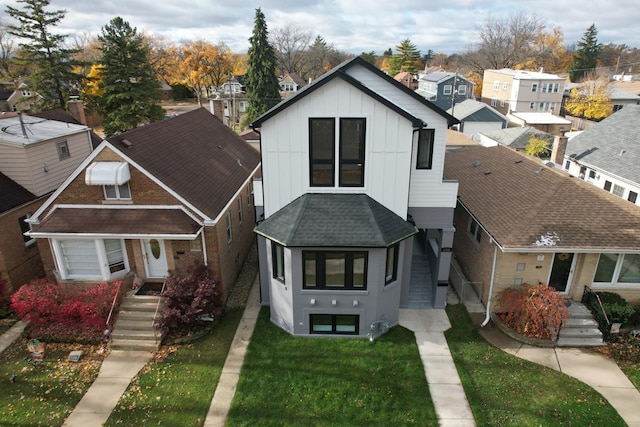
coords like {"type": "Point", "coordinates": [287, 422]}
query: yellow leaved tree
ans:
{"type": "Point", "coordinates": [590, 100]}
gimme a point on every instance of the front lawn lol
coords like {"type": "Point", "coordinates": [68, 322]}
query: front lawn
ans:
{"type": "Point", "coordinates": [176, 388]}
{"type": "Point", "coordinates": [45, 394]}
{"type": "Point", "coordinates": [632, 371]}
{"type": "Point", "coordinates": [505, 390]}
{"type": "Point", "coordinates": [297, 381]}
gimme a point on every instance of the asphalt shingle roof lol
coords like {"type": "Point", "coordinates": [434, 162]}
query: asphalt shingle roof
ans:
{"type": "Point", "coordinates": [337, 220]}
{"type": "Point", "coordinates": [13, 194]}
{"type": "Point", "coordinates": [525, 205]}
{"type": "Point", "coordinates": [612, 145]}
{"type": "Point", "coordinates": [517, 137]}
{"type": "Point", "coordinates": [195, 155]}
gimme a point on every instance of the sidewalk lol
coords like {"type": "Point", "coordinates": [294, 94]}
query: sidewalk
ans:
{"type": "Point", "coordinates": [11, 335]}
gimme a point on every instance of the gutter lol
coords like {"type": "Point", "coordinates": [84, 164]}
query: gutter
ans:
{"type": "Point", "coordinates": [493, 276]}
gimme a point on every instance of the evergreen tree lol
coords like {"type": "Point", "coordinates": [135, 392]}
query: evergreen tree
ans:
{"type": "Point", "coordinates": [407, 58]}
{"type": "Point", "coordinates": [130, 89]}
{"type": "Point", "coordinates": [585, 59]}
{"type": "Point", "coordinates": [263, 90]}
{"type": "Point", "coordinates": [43, 51]}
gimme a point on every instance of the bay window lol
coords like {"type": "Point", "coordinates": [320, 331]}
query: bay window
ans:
{"type": "Point", "coordinates": [334, 270]}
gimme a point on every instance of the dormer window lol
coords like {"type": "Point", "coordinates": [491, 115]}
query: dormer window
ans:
{"type": "Point", "coordinates": [117, 192]}
{"type": "Point", "coordinates": [63, 150]}
{"type": "Point", "coordinates": [114, 178]}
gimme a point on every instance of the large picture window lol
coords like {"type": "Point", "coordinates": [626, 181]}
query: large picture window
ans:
{"type": "Point", "coordinates": [352, 135]}
{"type": "Point", "coordinates": [334, 270]}
{"type": "Point", "coordinates": [618, 268]}
{"type": "Point", "coordinates": [90, 259]}
{"type": "Point", "coordinates": [425, 149]}
{"type": "Point", "coordinates": [321, 152]}
{"type": "Point", "coordinates": [345, 324]}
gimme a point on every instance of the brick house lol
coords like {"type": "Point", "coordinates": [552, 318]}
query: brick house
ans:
{"type": "Point", "coordinates": [151, 201]}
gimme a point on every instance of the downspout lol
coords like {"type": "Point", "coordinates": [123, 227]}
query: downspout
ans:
{"type": "Point", "coordinates": [493, 276]}
{"type": "Point", "coordinates": [204, 248]}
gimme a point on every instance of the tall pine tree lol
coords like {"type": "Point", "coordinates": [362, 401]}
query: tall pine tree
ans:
{"type": "Point", "coordinates": [407, 58]}
{"type": "Point", "coordinates": [585, 58]}
{"type": "Point", "coordinates": [53, 77]}
{"type": "Point", "coordinates": [130, 89]}
{"type": "Point", "coordinates": [263, 90]}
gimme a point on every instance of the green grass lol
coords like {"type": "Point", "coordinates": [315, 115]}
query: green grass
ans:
{"type": "Point", "coordinates": [46, 394]}
{"type": "Point", "coordinates": [632, 371]}
{"type": "Point", "coordinates": [298, 381]}
{"type": "Point", "coordinates": [504, 390]}
{"type": "Point", "coordinates": [177, 390]}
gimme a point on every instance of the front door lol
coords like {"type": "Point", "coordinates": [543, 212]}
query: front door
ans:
{"type": "Point", "coordinates": [155, 259]}
{"type": "Point", "coordinates": [561, 271]}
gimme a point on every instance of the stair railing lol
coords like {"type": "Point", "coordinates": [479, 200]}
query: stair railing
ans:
{"type": "Point", "coordinates": [107, 331]}
{"type": "Point", "coordinates": [155, 315]}
{"type": "Point", "coordinates": [603, 311]}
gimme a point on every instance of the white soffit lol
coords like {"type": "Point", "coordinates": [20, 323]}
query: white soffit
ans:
{"type": "Point", "coordinates": [107, 173]}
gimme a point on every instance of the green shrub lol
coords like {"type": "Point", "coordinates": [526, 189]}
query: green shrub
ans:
{"type": "Point", "coordinates": [617, 310]}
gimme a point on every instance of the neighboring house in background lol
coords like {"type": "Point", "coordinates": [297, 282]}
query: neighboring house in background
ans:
{"type": "Point", "coordinates": [22, 98]}
{"type": "Point", "coordinates": [476, 117]}
{"type": "Point", "coordinates": [407, 79]}
{"type": "Point", "coordinates": [231, 103]}
{"type": "Point", "coordinates": [357, 218]}
{"type": "Point", "coordinates": [290, 84]}
{"type": "Point", "coordinates": [36, 155]}
{"type": "Point", "coordinates": [510, 90]}
{"type": "Point", "coordinates": [445, 89]}
{"type": "Point", "coordinates": [518, 221]}
{"type": "Point", "coordinates": [6, 89]}
{"type": "Point", "coordinates": [516, 138]}
{"type": "Point", "coordinates": [252, 137]}
{"type": "Point", "coordinates": [19, 257]}
{"type": "Point", "coordinates": [624, 92]}
{"type": "Point", "coordinates": [545, 122]}
{"type": "Point", "coordinates": [165, 91]}
{"type": "Point", "coordinates": [608, 156]}
{"type": "Point", "coordinates": [151, 201]}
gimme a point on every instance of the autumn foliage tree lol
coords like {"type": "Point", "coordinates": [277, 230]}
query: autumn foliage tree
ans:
{"type": "Point", "coordinates": [537, 147]}
{"type": "Point", "coordinates": [590, 100]}
{"type": "Point", "coordinates": [535, 311]}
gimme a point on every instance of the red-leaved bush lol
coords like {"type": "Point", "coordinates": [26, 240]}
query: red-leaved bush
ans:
{"type": "Point", "coordinates": [188, 298]}
{"type": "Point", "coordinates": [535, 311]}
{"type": "Point", "coordinates": [65, 313]}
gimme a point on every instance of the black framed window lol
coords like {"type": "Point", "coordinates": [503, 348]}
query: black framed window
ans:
{"type": "Point", "coordinates": [345, 324]}
{"type": "Point", "coordinates": [334, 270]}
{"type": "Point", "coordinates": [474, 229]}
{"type": "Point", "coordinates": [277, 259]}
{"type": "Point", "coordinates": [425, 149]}
{"type": "Point", "coordinates": [391, 270]}
{"type": "Point", "coordinates": [322, 152]}
{"type": "Point", "coordinates": [352, 140]}
{"type": "Point", "coordinates": [25, 227]}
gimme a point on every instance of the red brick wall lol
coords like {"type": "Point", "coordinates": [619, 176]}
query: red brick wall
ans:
{"type": "Point", "coordinates": [19, 264]}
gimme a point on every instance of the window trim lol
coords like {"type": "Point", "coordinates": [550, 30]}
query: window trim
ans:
{"type": "Point", "coordinates": [393, 251]}
{"type": "Point", "coordinates": [342, 161]}
{"type": "Point", "coordinates": [321, 273]}
{"type": "Point", "coordinates": [62, 147]}
{"type": "Point", "coordinates": [240, 210]}
{"type": "Point", "coordinates": [419, 149]}
{"type": "Point", "coordinates": [277, 262]}
{"type": "Point", "coordinates": [334, 330]}
{"type": "Point", "coordinates": [462, 90]}
{"type": "Point", "coordinates": [447, 89]}
{"type": "Point", "coordinates": [330, 161]}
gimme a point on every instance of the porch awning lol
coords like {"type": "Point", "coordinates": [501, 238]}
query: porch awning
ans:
{"type": "Point", "coordinates": [145, 222]}
{"type": "Point", "coordinates": [107, 173]}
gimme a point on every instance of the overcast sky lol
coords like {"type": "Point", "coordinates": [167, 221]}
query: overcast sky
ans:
{"type": "Point", "coordinates": [349, 25]}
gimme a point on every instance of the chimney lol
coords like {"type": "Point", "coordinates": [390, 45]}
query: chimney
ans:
{"type": "Point", "coordinates": [76, 110]}
{"type": "Point", "coordinates": [217, 108]}
{"type": "Point", "coordinates": [559, 149]}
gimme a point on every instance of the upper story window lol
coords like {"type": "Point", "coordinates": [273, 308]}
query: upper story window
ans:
{"type": "Point", "coordinates": [63, 150]}
{"type": "Point", "coordinates": [496, 84]}
{"type": "Point", "coordinates": [534, 87]}
{"type": "Point", "coordinates": [632, 197]}
{"type": "Point", "coordinates": [474, 229]}
{"type": "Point", "coordinates": [424, 157]}
{"type": "Point", "coordinates": [505, 86]}
{"type": "Point", "coordinates": [334, 270]}
{"type": "Point", "coordinates": [462, 90]}
{"type": "Point", "coordinates": [322, 152]}
{"type": "Point", "coordinates": [117, 192]}
{"type": "Point", "coordinates": [494, 101]}
{"type": "Point", "coordinates": [446, 89]}
{"type": "Point", "coordinates": [240, 212]}
{"type": "Point", "coordinates": [544, 87]}
{"type": "Point", "coordinates": [287, 87]}
{"type": "Point", "coordinates": [556, 88]}
{"type": "Point", "coordinates": [229, 230]}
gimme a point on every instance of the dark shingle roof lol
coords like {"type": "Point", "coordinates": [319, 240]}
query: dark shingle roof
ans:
{"type": "Point", "coordinates": [601, 145]}
{"type": "Point", "coordinates": [340, 220]}
{"type": "Point", "coordinates": [523, 208]}
{"type": "Point", "coordinates": [195, 155]}
{"type": "Point", "coordinates": [13, 194]}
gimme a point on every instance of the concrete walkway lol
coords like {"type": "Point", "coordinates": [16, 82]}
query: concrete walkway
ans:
{"type": "Point", "coordinates": [221, 402]}
{"type": "Point", "coordinates": [116, 372]}
{"type": "Point", "coordinates": [447, 394]}
{"type": "Point", "coordinates": [11, 335]}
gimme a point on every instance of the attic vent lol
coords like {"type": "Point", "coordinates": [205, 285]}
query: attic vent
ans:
{"type": "Point", "coordinates": [477, 163]}
{"type": "Point", "coordinates": [540, 169]}
{"type": "Point", "coordinates": [519, 161]}
{"type": "Point", "coordinates": [127, 143]}
{"type": "Point", "coordinates": [621, 152]}
{"type": "Point", "coordinates": [239, 162]}
{"type": "Point", "coordinates": [487, 172]}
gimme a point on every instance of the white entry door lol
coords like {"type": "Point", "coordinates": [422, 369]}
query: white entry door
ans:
{"type": "Point", "coordinates": [155, 258]}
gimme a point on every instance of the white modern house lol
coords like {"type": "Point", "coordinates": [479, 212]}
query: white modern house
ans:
{"type": "Point", "coordinates": [357, 219]}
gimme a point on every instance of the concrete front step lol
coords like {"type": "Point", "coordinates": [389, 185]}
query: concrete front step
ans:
{"type": "Point", "coordinates": [580, 330]}
{"type": "Point", "coordinates": [136, 315]}
{"type": "Point", "coordinates": [134, 345]}
{"type": "Point", "coordinates": [580, 323]}
{"type": "Point", "coordinates": [579, 342]}
{"type": "Point", "coordinates": [133, 334]}
{"type": "Point", "coordinates": [581, 333]}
